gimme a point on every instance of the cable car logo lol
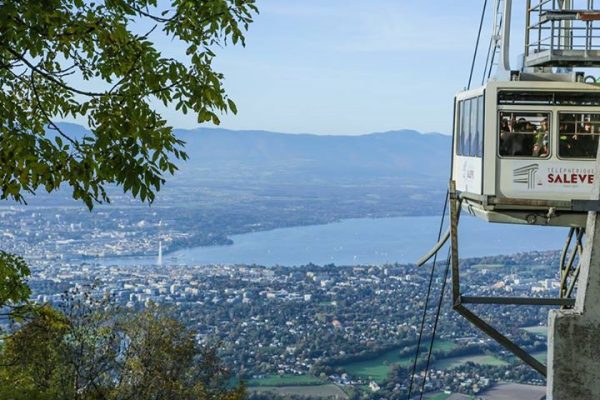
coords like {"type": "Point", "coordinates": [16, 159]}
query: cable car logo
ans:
{"type": "Point", "coordinates": [526, 175]}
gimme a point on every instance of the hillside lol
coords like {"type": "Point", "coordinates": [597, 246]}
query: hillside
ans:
{"type": "Point", "coordinates": [270, 157]}
{"type": "Point", "coordinates": [379, 174]}
{"type": "Point", "coordinates": [406, 155]}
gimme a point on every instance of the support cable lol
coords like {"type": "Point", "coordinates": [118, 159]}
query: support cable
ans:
{"type": "Point", "coordinates": [489, 73]}
{"type": "Point", "coordinates": [435, 323]}
{"type": "Point", "coordinates": [424, 315]}
{"type": "Point", "coordinates": [477, 44]}
{"type": "Point", "coordinates": [440, 300]}
{"type": "Point", "coordinates": [488, 59]}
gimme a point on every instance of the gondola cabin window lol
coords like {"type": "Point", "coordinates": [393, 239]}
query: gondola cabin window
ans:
{"type": "Point", "coordinates": [524, 134]}
{"type": "Point", "coordinates": [470, 127]}
{"type": "Point", "coordinates": [578, 135]}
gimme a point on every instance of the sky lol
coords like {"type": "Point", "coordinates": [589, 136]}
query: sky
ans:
{"type": "Point", "coordinates": [350, 67]}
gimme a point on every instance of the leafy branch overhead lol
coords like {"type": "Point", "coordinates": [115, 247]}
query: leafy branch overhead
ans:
{"type": "Point", "coordinates": [96, 60]}
{"type": "Point", "coordinates": [14, 271]}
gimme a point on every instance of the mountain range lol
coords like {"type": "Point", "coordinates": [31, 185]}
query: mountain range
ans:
{"type": "Point", "coordinates": [271, 157]}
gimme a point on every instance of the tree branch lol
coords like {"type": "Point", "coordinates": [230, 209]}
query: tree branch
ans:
{"type": "Point", "coordinates": [50, 77]}
{"type": "Point", "coordinates": [152, 16]}
{"type": "Point", "coordinates": [50, 122]}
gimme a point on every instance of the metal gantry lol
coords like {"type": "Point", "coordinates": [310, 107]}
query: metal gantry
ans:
{"type": "Point", "coordinates": [562, 33]}
{"type": "Point", "coordinates": [570, 262]}
{"type": "Point", "coordinates": [459, 301]}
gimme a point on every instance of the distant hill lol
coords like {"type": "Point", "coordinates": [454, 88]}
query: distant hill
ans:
{"type": "Point", "coordinates": [75, 131]}
{"type": "Point", "coordinates": [221, 154]}
{"type": "Point", "coordinates": [310, 177]}
{"type": "Point", "coordinates": [402, 154]}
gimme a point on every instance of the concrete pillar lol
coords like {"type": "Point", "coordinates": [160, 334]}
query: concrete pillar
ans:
{"type": "Point", "coordinates": [574, 335]}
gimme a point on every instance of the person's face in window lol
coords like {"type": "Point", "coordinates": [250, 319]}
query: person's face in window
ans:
{"type": "Point", "coordinates": [544, 125]}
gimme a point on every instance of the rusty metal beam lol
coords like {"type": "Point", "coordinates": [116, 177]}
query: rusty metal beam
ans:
{"type": "Point", "coordinates": [589, 16]}
{"type": "Point", "coordinates": [454, 210]}
{"type": "Point", "coordinates": [501, 339]}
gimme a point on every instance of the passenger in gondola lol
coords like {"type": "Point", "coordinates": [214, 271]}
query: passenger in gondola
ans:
{"type": "Point", "coordinates": [519, 140]}
{"type": "Point", "coordinates": [505, 137]}
{"type": "Point", "coordinates": [540, 145]}
{"type": "Point", "coordinates": [565, 131]}
{"type": "Point", "coordinates": [528, 133]}
{"type": "Point", "coordinates": [529, 127]}
{"type": "Point", "coordinates": [592, 139]}
{"type": "Point", "coordinates": [542, 131]}
{"type": "Point", "coordinates": [575, 140]}
{"type": "Point", "coordinates": [504, 125]}
{"type": "Point", "coordinates": [540, 149]}
{"type": "Point", "coordinates": [577, 145]}
{"type": "Point", "coordinates": [586, 139]}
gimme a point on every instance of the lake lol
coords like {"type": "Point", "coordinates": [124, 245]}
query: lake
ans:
{"type": "Point", "coordinates": [362, 241]}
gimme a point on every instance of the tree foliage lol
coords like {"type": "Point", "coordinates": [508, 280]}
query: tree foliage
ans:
{"type": "Point", "coordinates": [14, 271]}
{"type": "Point", "coordinates": [96, 61]}
{"type": "Point", "coordinates": [90, 352]}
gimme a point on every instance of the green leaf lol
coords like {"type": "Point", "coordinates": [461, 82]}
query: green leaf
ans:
{"type": "Point", "coordinates": [114, 74]}
{"type": "Point", "coordinates": [232, 106]}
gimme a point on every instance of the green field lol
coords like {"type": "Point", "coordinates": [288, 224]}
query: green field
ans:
{"type": "Point", "coordinates": [322, 391]}
{"type": "Point", "coordinates": [439, 396]}
{"type": "Point", "coordinates": [443, 345]}
{"type": "Point", "coordinates": [482, 359]}
{"type": "Point", "coordinates": [538, 330]}
{"type": "Point", "coordinates": [377, 369]}
{"type": "Point", "coordinates": [286, 380]}
{"type": "Point", "coordinates": [489, 266]}
{"type": "Point", "coordinates": [533, 267]}
{"type": "Point", "coordinates": [542, 356]}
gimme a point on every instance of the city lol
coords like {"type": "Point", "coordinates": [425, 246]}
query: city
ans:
{"type": "Point", "coordinates": [313, 325]}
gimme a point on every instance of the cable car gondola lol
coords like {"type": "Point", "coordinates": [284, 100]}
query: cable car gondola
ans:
{"type": "Point", "coordinates": [525, 142]}
{"type": "Point", "coordinates": [524, 151]}
{"type": "Point", "coordinates": [525, 145]}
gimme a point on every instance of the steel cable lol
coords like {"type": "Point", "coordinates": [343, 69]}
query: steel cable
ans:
{"type": "Point", "coordinates": [477, 44]}
{"type": "Point", "coordinates": [440, 300]}
{"type": "Point", "coordinates": [424, 316]}
{"type": "Point", "coordinates": [435, 323]}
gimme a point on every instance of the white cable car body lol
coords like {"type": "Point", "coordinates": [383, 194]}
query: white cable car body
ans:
{"type": "Point", "coordinates": [525, 145]}
{"type": "Point", "coordinates": [500, 173]}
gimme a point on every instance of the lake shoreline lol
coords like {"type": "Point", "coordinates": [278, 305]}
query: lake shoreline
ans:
{"type": "Point", "coordinates": [357, 241]}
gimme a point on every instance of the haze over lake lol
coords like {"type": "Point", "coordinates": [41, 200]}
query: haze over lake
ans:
{"type": "Point", "coordinates": [362, 241]}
